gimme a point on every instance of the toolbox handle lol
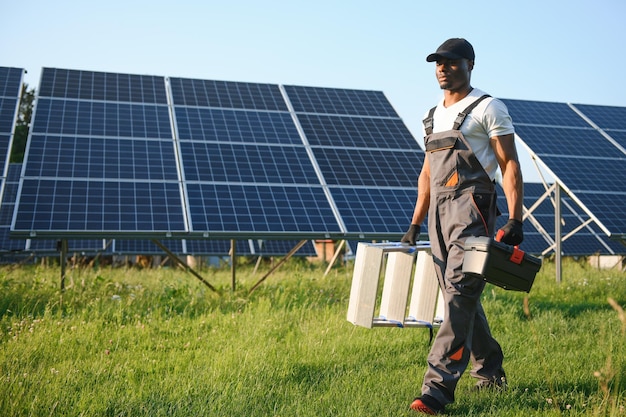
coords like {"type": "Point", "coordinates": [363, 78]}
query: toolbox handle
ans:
{"type": "Point", "coordinates": [518, 255]}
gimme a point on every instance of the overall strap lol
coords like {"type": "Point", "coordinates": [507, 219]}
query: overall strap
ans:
{"type": "Point", "coordinates": [428, 121]}
{"type": "Point", "coordinates": [461, 117]}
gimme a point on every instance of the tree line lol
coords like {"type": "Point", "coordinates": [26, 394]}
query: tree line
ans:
{"type": "Point", "coordinates": [24, 115]}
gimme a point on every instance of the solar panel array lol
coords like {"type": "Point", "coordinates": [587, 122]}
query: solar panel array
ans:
{"type": "Point", "coordinates": [129, 156]}
{"type": "Point", "coordinates": [137, 157]}
{"type": "Point", "coordinates": [584, 148]}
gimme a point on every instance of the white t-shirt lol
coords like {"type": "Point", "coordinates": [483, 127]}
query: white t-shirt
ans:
{"type": "Point", "coordinates": [490, 118]}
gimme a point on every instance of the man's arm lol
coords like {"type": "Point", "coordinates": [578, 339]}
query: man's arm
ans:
{"type": "Point", "coordinates": [512, 182]}
{"type": "Point", "coordinates": [421, 205]}
{"type": "Point", "coordinates": [423, 194]}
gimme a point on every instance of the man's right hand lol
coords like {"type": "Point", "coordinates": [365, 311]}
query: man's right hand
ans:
{"type": "Point", "coordinates": [410, 237]}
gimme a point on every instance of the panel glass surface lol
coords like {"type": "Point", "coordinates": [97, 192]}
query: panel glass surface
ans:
{"type": "Point", "coordinates": [226, 94]}
{"type": "Point", "coordinates": [605, 177]}
{"type": "Point", "coordinates": [605, 117]}
{"type": "Point", "coordinates": [226, 125]}
{"type": "Point", "coordinates": [566, 141]}
{"type": "Point", "coordinates": [10, 81]}
{"type": "Point", "coordinates": [81, 247]}
{"type": "Point", "coordinates": [214, 247]}
{"type": "Point", "coordinates": [146, 247]}
{"type": "Point", "coordinates": [235, 163]}
{"type": "Point", "coordinates": [73, 205]}
{"type": "Point", "coordinates": [8, 106]}
{"type": "Point", "coordinates": [339, 101]}
{"type": "Point", "coordinates": [92, 118]}
{"type": "Point", "coordinates": [238, 208]}
{"type": "Point", "coordinates": [609, 209]}
{"type": "Point", "coordinates": [383, 211]}
{"type": "Point", "coordinates": [102, 86]}
{"type": "Point", "coordinates": [100, 158]}
{"type": "Point", "coordinates": [341, 131]}
{"type": "Point", "coordinates": [6, 211]}
{"type": "Point", "coordinates": [369, 167]}
{"type": "Point", "coordinates": [282, 247]}
{"type": "Point", "coordinates": [543, 113]}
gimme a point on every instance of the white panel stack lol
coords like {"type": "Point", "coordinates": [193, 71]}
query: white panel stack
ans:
{"type": "Point", "coordinates": [402, 261]}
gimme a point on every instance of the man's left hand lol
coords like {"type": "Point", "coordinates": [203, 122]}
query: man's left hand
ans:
{"type": "Point", "coordinates": [512, 232]}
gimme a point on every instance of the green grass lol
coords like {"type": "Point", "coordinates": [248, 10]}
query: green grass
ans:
{"type": "Point", "coordinates": [127, 342]}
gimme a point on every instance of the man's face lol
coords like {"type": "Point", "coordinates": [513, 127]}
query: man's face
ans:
{"type": "Point", "coordinates": [453, 74]}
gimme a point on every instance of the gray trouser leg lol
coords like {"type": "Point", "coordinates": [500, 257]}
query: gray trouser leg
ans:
{"type": "Point", "coordinates": [464, 332]}
{"type": "Point", "coordinates": [486, 351]}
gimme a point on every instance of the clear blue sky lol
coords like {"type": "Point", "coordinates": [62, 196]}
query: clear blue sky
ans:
{"type": "Point", "coordinates": [550, 50]}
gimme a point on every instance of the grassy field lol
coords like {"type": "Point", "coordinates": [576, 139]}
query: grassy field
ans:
{"type": "Point", "coordinates": [129, 342]}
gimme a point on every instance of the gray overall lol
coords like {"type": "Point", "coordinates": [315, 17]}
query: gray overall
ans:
{"type": "Point", "coordinates": [462, 204]}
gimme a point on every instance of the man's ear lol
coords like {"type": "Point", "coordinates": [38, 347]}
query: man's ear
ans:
{"type": "Point", "coordinates": [470, 64]}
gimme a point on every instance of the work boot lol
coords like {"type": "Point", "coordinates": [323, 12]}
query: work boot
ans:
{"type": "Point", "coordinates": [426, 405]}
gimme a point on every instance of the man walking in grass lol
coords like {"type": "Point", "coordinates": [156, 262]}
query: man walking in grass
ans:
{"type": "Point", "coordinates": [468, 135]}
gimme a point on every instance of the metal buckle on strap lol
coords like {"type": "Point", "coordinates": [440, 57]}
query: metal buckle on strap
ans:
{"type": "Point", "coordinates": [428, 125]}
{"type": "Point", "coordinates": [459, 120]}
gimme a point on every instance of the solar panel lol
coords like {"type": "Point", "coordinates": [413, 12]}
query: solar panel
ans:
{"type": "Point", "coordinates": [226, 94]}
{"type": "Point", "coordinates": [567, 142]}
{"type": "Point", "coordinates": [582, 146]}
{"type": "Point", "coordinates": [10, 92]}
{"type": "Point", "coordinates": [339, 101]}
{"type": "Point", "coordinates": [246, 168]}
{"type": "Point", "coordinates": [7, 205]}
{"type": "Point", "coordinates": [102, 86]}
{"type": "Point", "coordinates": [597, 176]}
{"type": "Point", "coordinates": [81, 247]}
{"type": "Point", "coordinates": [366, 155]}
{"type": "Point", "coordinates": [249, 163]}
{"type": "Point", "coordinates": [145, 247]}
{"type": "Point", "coordinates": [281, 247]}
{"type": "Point", "coordinates": [212, 247]}
{"type": "Point", "coordinates": [100, 158]}
{"type": "Point", "coordinates": [246, 210]}
{"type": "Point", "coordinates": [541, 113]}
{"type": "Point", "coordinates": [605, 117]}
{"type": "Point", "coordinates": [386, 211]}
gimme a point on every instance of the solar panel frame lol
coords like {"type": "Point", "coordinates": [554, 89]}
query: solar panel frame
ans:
{"type": "Point", "coordinates": [588, 240]}
{"type": "Point", "coordinates": [589, 169]}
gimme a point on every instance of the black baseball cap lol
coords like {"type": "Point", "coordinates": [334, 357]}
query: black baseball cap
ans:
{"type": "Point", "coordinates": [454, 48]}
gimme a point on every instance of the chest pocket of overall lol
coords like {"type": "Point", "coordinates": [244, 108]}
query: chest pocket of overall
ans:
{"type": "Point", "coordinates": [443, 148]}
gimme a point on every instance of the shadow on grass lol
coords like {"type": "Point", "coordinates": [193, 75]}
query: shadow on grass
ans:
{"type": "Point", "coordinates": [568, 308]}
{"type": "Point", "coordinates": [528, 399]}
